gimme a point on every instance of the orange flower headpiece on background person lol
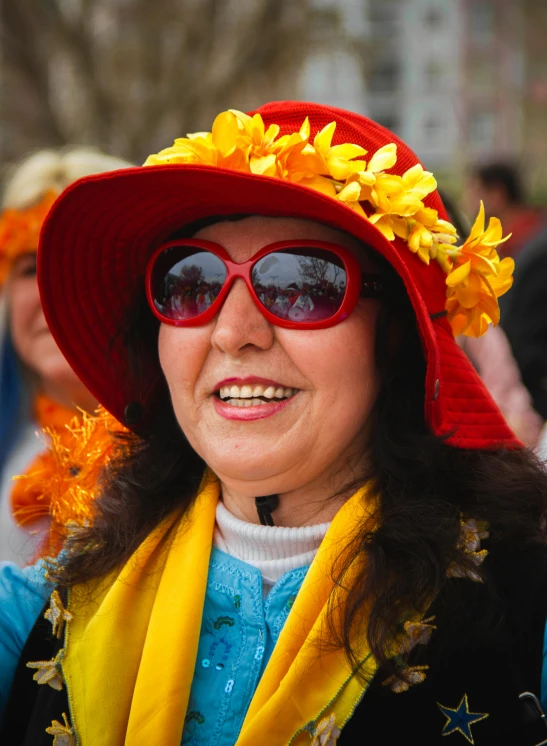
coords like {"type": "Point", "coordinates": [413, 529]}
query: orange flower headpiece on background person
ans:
{"type": "Point", "coordinates": [287, 159]}
{"type": "Point", "coordinates": [31, 188]}
{"type": "Point", "coordinates": [20, 231]}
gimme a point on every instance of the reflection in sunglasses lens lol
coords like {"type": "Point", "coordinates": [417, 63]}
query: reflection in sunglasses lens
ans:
{"type": "Point", "coordinates": [185, 281]}
{"type": "Point", "coordinates": [302, 285]}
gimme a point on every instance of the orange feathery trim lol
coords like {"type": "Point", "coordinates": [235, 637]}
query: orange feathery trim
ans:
{"type": "Point", "coordinates": [20, 230]}
{"type": "Point", "coordinates": [64, 480]}
{"type": "Point", "coordinates": [28, 502]}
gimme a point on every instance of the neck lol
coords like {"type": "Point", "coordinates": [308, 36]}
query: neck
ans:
{"type": "Point", "coordinates": [306, 506]}
{"type": "Point", "coordinates": [309, 502]}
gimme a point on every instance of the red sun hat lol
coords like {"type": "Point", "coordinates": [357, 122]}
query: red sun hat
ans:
{"type": "Point", "coordinates": [357, 177]}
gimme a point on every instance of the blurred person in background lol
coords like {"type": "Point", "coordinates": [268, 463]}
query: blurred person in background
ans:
{"type": "Point", "coordinates": [499, 186]}
{"type": "Point", "coordinates": [525, 318]}
{"type": "Point", "coordinates": [38, 388]}
{"type": "Point", "coordinates": [492, 356]}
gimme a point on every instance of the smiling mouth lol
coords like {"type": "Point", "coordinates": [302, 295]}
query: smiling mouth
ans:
{"type": "Point", "coordinates": [254, 395]}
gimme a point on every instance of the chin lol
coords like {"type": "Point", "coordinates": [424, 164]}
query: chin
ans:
{"type": "Point", "coordinates": [252, 477]}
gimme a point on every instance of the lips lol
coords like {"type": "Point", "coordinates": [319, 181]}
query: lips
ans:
{"type": "Point", "coordinates": [250, 380]}
{"type": "Point", "coordinates": [250, 411]}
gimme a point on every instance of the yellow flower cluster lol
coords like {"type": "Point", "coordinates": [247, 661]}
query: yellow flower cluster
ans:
{"type": "Point", "coordinates": [477, 279]}
{"type": "Point", "coordinates": [393, 203]}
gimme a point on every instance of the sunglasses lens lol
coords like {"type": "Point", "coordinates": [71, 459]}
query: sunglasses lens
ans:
{"type": "Point", "coordinates": [185, 281]}
{"type": "Point", "coordinates": [303, 285]}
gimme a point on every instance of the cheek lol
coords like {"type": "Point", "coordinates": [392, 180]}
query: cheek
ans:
{"type": "Point", "coordinates": [182, 354]}
{"type": "Point", "coordinates": [25, 308]}
{"type": "Point", "coordinates": [341, 367]}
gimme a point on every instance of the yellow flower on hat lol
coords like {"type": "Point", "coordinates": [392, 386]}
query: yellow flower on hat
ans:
{"type": "Point", "coordinates": [299, 162]}
{"type": "Point", "coordinates": [478, 278]}
{"type": "Point", "coordinates": [225, 146]}
{"type": "Point", "coordinates": [420, 236]}
{"type": "Point", "coordinates": [372, 184]}
{"type": "Point", "coordinates": [320, 165]}
{"type": "Point", "coordinates": [400, 210]}
{"type": "Point", "coordinates": [255, 140]}
{"type": "Point", "coordinates": [418, 182]}
{"type": "Point", "coordinates": [338, 159]}
{"type": "Point", "coordinates": [478, 254]}
{"type": "Point", "coordinates": [429, 236]}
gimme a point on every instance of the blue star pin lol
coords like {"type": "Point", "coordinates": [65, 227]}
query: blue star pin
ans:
{"type": "Point", "coordinates": [461, 719]}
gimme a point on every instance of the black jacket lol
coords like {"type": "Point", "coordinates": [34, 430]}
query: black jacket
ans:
{"type": "Point", "coordinates": [524, 318]}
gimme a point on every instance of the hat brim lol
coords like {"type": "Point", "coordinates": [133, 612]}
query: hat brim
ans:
{"type": "Point", "coordinates": [99, 235]}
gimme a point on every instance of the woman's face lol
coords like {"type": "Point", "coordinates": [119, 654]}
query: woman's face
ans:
{"type": "Point", "coordinates": [32, 339]}
{"type": "Point", "coordinates": [318, 435]}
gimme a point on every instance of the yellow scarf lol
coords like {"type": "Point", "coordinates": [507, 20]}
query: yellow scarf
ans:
{"type": "Point", "coordinates": [132, 643]}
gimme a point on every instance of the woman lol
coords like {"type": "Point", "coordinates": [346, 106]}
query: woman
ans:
{"type": "Point", "coordinates": [315, 533]}
{"type": "Point", "coordinates": [38, 388]}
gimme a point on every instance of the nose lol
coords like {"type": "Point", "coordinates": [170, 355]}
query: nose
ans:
{"type": "Point", "coordinates": [240, 324]}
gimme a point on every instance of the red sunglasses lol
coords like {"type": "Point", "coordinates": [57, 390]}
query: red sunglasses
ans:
{"type": "Point", "coordinates": [295, 284]}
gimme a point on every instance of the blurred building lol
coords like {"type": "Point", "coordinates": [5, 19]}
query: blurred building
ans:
{"type": "Point", "coordinates": [333, 71]}
{"type": "Point", "coordinates": [533, 132]}
{"type": "Point", "coordinates": [460, 81]}
{"type": "Point", "coordinates": [413, 74]}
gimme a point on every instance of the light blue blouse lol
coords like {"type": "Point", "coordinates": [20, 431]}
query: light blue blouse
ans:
{"type": "Point", "coordinates": [23, 593]}
{"type": "Point", "coordinates": [239, 630]}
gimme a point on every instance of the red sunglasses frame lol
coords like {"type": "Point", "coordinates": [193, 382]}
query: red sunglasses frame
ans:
{"type": "Point", "coordinates": [354, 281]}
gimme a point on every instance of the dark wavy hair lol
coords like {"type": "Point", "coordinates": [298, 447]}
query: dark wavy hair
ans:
{"type": "Point", "coordinates": [424, 486]}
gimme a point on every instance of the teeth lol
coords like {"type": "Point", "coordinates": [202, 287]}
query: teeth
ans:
{"type": "Point", "coordinates": [246, 396]}
{"type": "Point", "coordinates": [245, 402]}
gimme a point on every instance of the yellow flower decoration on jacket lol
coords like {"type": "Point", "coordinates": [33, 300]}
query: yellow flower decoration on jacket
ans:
{"type": "Point", "coordinates": [49, 672]}
{"type": "Point", "coordinates": [394, 204]}
{"type": "Point", "coordinates": [63, 733]}
{"type": "Point", "coordinates": [326, 733]}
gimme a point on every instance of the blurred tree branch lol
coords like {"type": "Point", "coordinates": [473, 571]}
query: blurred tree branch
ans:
{"type": "Point", "coordinates": [131, 75]}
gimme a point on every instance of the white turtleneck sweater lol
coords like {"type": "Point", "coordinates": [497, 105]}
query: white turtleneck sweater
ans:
{"type": "Point", "coordinates": [274, 550]}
